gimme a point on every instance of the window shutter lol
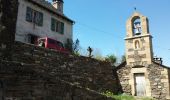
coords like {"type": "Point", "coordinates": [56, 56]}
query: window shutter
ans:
{"type": "Point", "coordinates": [35, 19]}
{"type": "Point", "coordinates": [58, 27]}
{"type": "Point", "coordinates": [62, 28]}
{"type": "Point", "coordinates": [29, 14]}
{"type": "Point", "coordinates": [52, 24]}
{"type": "Point", "coordinates": [40, 19]}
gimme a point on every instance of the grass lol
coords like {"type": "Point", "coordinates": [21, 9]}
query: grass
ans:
{"type": "Point", "coordinates": [123, 96]}
{"type": "Point", "coordinates": [146, 98]}
{"type": "Point", "coordinates": [118, 97]}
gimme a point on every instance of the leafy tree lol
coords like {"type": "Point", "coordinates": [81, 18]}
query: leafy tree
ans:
{"type": "Point", "coordinates": [123, 58]}
{"type": "Point", "coordinates": [69, 44]}
{"type": "Point", "coordinates": [97, 54]}
{"type": "Point", "coordinates": [76, 46]}
{"type": "Point", "coordinates": [112, 59]}
{"type": "Point", "coordinates": [73, 46]}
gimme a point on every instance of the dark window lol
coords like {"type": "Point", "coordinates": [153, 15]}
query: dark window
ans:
{"type": "Point", "coordinates": [38, 18]}
{"type": "Point", "coordinates": [29, 14]}
{"type": "Point", "coordinates": [34, 16]}
{"type": "Point", "coordinates": [57, 26]}
{"type": "Point", "coordinates": [62, 28]}
{"type": "Point", "coordinates": [53, 24]}
{"type": "Point", "coordinates": [32, 39]}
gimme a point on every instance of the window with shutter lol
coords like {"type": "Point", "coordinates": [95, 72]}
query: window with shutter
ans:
{"type": "Point", "coordinates": [34, 16]}
{"type": "Point", "coordinates": [62, 28]}
{"type": "Point", "coordinates": [53, 24]}
{"type": "Point", "coordinates": [57, 26]}
{"type": "Point", "coordinates": [40, 19]}
{"type": "Point", "coordinates": [29, 14]}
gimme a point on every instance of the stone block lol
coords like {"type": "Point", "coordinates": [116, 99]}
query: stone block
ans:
{"type": "Point", "coordinates": [164, 80]}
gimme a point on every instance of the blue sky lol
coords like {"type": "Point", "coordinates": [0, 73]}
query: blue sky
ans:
{"type": "Point", "coordinates": [101, 24]}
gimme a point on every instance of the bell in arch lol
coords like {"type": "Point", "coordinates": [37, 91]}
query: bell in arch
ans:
{"type": "Point", "coordinates": [137, 27]}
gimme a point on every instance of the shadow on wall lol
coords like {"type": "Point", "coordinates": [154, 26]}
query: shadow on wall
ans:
{"type": "Point", "coordinates": [1, 90]}
{"type": "Point", "coordinates": [118, 86]}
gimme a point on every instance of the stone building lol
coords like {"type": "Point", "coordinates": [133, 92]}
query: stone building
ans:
{"type": "Point", "coordinates": [39, 18]}
{"type": "Point", "coordinates": [142, 74]}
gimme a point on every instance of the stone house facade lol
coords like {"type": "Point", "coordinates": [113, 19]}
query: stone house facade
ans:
{"type": "Point", "coordinates": [39, 18]}
{"type": "Point", "coordinates": [142, 74]}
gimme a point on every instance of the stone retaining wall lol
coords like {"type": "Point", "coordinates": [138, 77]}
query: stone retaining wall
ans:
{"type": "Point", "coordinates": [22, 82]}
{"type": "Point", "coordinates": [84, 71]}
{"type": "Point", "coordinates": [39, 66]}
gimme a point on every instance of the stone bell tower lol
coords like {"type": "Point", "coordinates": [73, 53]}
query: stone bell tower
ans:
{"type": "Point", "coordinates": [138, 41]}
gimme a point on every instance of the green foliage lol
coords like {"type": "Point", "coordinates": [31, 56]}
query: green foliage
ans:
{"type": "Point", "coordinates": [76, 46]}
{"type": "Point", "coordinates": [73, 47]}
{"type": "Point", "coordinates": [99, 57]}
{"type": "Point", "coordinates": [118, 97]}
{"type": "Point", "coordinates": [147, 98]}
{"type": "Point", "coordinates": [68, 45]}
{"type": "Point", "coordinates": [76, 53]}
{"type": "Point", "coordinates": [108, 94]}
{"type": "Point", "coordinates": [97, 54]}
{"type": "Point", "coordinates": [123, 58]}
{"type": "Point", "coordinates": [123, 96]}
{"type": "Point", "coordinates": [111, 58]}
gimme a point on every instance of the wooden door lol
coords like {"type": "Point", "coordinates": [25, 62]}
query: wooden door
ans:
{"type": "Point", "coordinates": [140, 85]}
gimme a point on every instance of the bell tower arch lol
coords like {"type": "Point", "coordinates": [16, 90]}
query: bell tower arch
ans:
{"type": "Point", "coordinates": [138, 40]}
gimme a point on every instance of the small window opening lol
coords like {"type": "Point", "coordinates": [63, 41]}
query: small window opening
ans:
{"type": "Point", "coordinates": [32, 39]}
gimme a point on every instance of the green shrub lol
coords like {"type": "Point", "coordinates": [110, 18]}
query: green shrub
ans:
{"type": "Point", "coordinates": [124, 96]}
{"type": "Point", "coordinates": [118, 97]}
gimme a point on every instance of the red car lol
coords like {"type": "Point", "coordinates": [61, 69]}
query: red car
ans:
{"type": "Point", "coordinates": [52, 44]}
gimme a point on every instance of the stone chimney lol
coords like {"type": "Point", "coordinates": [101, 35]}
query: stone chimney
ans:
{"type": "Point", "coordinates": [158, 60]}
{"type": "Point", "coordinates": [58, 4]}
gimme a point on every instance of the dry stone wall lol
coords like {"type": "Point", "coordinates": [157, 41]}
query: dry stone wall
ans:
{"type": "Point", "coordinates": [23, 82]}
{"type": "Point", "coordinates": [159, 81]}
{"type": "Point", "coordinates": [123, 74]}
{"type": "Point", "coordinates": [49, 65]}
{"type": "Point", "coordinates": [84, 71]}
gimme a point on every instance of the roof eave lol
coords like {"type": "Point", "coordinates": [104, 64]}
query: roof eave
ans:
{"type": "Point", "coordinates": [58, 14]}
